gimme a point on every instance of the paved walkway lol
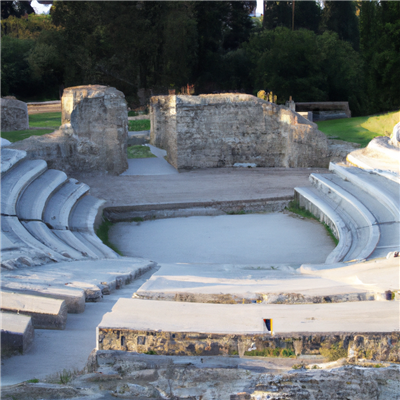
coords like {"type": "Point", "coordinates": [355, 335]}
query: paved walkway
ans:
{"type": "Point", "coordinates": [150, 166]}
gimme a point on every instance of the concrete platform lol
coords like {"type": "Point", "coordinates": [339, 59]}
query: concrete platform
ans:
{"type": "Point", "coordinates": [46, 313]}
{"type": "Point", "coordinates": [230, 239]}
{"type": "Point", "coordinates": [213, 283]}
{"type": "Point", "coordinates": [145, 315]}
{"type": "Point", "coordinates": [17, 333]}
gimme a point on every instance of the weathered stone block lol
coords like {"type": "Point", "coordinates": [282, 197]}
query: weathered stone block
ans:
{"type": "Point", "coordinates": [93, 136]}
{"type": "Point", "coordinates": [14, 115]}
{"type": "Point", "coordinates": [223, 130]}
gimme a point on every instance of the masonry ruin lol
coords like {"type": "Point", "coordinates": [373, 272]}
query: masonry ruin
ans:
{"type": "Point", "coordinates": [209, 131]}
{"type": "Point", "coordinates": [92, 137]}
{"type": "Point", "coordinates": [14, 115]}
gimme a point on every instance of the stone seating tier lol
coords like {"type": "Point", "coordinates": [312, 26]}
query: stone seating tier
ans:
{"type": "Point", "coordinates": [360, 207]}
{"type": "Point", "coordinates": [46, 217]}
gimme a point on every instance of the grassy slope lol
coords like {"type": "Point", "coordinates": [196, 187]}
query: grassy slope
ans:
{"type": "Point", "coordinates": [360, 129]}
{"type": "Point", "coordinates": [46, 120]}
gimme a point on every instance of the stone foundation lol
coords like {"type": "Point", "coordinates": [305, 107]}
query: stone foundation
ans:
{"type": "Point", "coordinates": [373, 346]}
{"type": "Point", "coordinates": [222, 130]}
{"type": "Point", "coordinates": [14, 115]}
{"type": "Point", "coordinates": [93, 136]}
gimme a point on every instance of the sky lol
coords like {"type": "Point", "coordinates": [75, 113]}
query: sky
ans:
{"type": "Point", "coordinates": [44, 9]}
{"type": "Point", "coordinates": [40, 8]}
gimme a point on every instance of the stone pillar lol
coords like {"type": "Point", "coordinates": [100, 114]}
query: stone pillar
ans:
{"type": "Point", "coordinates": [97, 116]}
{"type": "Point", "coordinates": [14, 115]}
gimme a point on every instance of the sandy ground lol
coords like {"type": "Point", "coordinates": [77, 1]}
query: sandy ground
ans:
{"type": "Point", "coordinates": [230, 239]}
{"type": "Point", "coordinates": [214, 184]}
{"type": "Point", "coordinates": [54, 350]}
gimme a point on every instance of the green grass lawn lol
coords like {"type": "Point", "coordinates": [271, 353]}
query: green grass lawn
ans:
{"type": "Point", "coordinates": [139, 151]}
{"type": "Point", "coordinates": [139, 125]}
{"type": "Point", "coordinates": [52, 120]}
{"type": "Point", "coordinates": [15, 136]}
{"type": "Point", "coordinates": [360, 129]}
{"type": "Point", "coordinates": [47, 120]}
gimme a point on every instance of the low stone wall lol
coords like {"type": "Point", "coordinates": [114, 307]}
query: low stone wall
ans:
{"type": "Point", "coordinates": [382, 346]}
{"type": "Point", "coordinates": [222, 130]}
{"type": "Point", "coordinates": [14, 115]}
{"type": "Point", "coordinates": [326, 109]}
{"type": "Point", "coordinates": [93, 136]}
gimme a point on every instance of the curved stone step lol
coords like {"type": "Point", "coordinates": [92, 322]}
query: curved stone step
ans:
{"type": "Point", "coordinates": [46, 313]}
{"type": "Point", "coordinates": [17, 333]}
{"type": "Point", "coordinates": [58, 209]}
{"type": "Point", "coordinates": [363, 219]}
{"type": "Point", "coordinates": [385, 191]}
{"type": "Point", "coordinates": [17, 234]}
{"type": "Point", "coordinates": [384, 149]}
{"type": "Point", "coordinates": [15, 181]}
{"type": "Point", "coordinates": [32, 202]}
{"type": "Point", "coordinates": [10, 158]}
{"type": "Point", "coordinates": [84, 214]}
{"type": "Point", "coordinates": [96, 245]}
{"type": "Point", "coordinates": [310, 200]}
{"type": "Point", "coordinates": [381, 167]}
{"type": "Point", "coordinates": [71, 240]}
{"type": "Point", "coordinates": [41, 232]}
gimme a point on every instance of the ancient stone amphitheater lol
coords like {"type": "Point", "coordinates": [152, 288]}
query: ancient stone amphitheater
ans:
{"type": "Point", "coordinates": [53, 264]}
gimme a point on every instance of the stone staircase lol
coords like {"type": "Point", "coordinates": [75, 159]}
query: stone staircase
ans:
{"type": "Point", "coordinates": [46, 217]}
{"type": "Point", "coordinates": [361, 207]}
{"type": "Point", "coordinates": [47, 221]}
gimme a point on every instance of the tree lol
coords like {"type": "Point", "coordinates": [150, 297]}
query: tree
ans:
{"type": "Point", "coordinates": [380, 48]}
{"type": "Point", "coordinates": [15, 8]}
{"type": "Point", "coordinates": [340, 17]}
{"type": "Point", "coordinates": [277, 14]}
{"type": "Point", "coordinates": [307, 66]}
{"type": "Point", "coordinates": [307, 15]}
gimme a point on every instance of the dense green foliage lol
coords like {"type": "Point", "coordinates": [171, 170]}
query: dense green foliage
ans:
{"type": "Point", "coordinates": [329, 51]}
{"type": "Point", "coordinates": [380, 47]}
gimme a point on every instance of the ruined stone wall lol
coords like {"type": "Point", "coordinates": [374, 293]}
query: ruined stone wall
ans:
{"type": "Point", "coordinates": [93, 136]}
{"type": "Point", "coordinates": [221, 130]}
{"type": "Point", "coordinates": [382, 346]}
{"type": "Point", "coordinates": [14, 115]}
